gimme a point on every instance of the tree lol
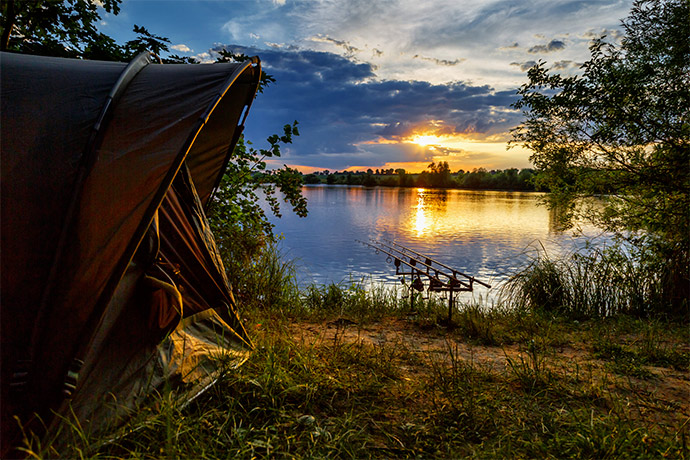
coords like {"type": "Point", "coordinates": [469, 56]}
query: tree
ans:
{"type": "Point", "coordinates": [68, 29]}
{"type": "Point", "coordinates": [146, 41]}
{"type": "Point", "coordinates": [228, 56]}
{"type": "Point", "coordinates": [477, 179]}
{"type": "Point", "coordinates": [369, 180]}
{"type": "Point", "coordinates": [439, 175]}
{"type": "Point", "coordinates": [403, 178]}
{"type": "Point", "coordinates": [623, 127]}
{"type": "Point", "coordinates": [59, 28]}
{"type": "Point", "coordinates": [236, 217]}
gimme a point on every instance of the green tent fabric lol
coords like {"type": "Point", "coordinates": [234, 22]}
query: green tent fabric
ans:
{"type": "Point", "coordinates": [110, 275]}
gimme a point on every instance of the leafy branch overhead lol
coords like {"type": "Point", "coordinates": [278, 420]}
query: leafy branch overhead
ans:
{"type": "Point", "coordinates": [54, 28]}
{"type": "Point", "coordinates": [229, 56]}
{"type": "Point", "coordinates": [622, 125]}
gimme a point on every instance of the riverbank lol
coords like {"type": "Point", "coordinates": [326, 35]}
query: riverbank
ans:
{"type": "Point", "coordinates": [380, 382]}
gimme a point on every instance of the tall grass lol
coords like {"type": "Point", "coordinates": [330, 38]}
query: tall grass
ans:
{"type": "Point", "coordinates": [600, 283]}
{"type": "Point", "coordinates": [326, 396]}
{"type": "Point", "coordinates": [355, 301]}
{"type": "Point", "coordinates": [267, 282]}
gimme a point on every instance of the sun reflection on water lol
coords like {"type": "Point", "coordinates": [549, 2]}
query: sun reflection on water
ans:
{"type": "Point", "coordinates": [430, 214]}
{"type": "Point", "coordinates": [484, 232]}
{"type": "Point", "coordinates": [421, 222]}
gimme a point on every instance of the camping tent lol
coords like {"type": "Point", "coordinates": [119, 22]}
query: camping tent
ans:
{"type": "Point", "coordinates": [110, 275]}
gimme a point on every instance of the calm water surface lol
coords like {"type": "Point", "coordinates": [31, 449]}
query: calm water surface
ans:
{"type": "Point", "coordinates": [482, 233]}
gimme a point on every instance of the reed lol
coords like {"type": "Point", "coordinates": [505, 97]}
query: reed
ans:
{"type": "Point", "coordinates": [355, 301]}
{"type": "Point", "coordinates": [596, 284]}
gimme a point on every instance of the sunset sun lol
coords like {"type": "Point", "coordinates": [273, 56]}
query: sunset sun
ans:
{"type": "Point", "coordinates": [427, 139]}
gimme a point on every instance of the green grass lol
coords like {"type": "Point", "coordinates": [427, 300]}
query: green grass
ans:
{"type": "Point", "coordinates": [329, 394]}
{"type": "Point", "coordinates": [340, 371]}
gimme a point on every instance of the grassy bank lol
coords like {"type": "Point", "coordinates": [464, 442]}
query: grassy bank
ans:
{"type": "Point", "coordinates": [343, 372]}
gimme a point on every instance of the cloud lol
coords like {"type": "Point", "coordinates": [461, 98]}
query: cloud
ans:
{"type": "Point", "coordinates": [348, 117]}
{"type": "Point", "coordinates": [182, 48]}
{"type": "Point", "coordinates": [348, 72]}
{"type": "Point", "coordinates": [300, 67]}
{"type": "Point", "coordinates": [380, 154]}
{"type": "Point", "coordinates": [205, 57]}
{"type": "Point", "coordinates": [284, 46]}
{"type": "Point", "coordinates": [562, 65]}
{"type": "Point", "coordinates": [592, 34]}
{"type": "Point", "coordinates": [558, 65]}
{"type": "Point", "coordinates": [524, 66]}
{"type": "Point", "coordinates": [439, 61]}
{"type": "Point", "coordinates": [390, 33]}
{"type": "Point", "coordinates": [513, 46]}
{"type": "Point", "coordinates": [349, 49]}
{"type": "Point", "coordinates": [553, 45]}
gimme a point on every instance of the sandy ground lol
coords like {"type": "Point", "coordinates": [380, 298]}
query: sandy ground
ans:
{"type": "Point", "coordinates": [667, 387]}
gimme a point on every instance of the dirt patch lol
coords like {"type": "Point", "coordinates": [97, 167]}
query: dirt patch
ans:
{"type": "Point", "coordinates": [666, 387]}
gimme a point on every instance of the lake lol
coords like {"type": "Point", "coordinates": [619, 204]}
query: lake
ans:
{"type": "Point", "coordinates": [487, 234]}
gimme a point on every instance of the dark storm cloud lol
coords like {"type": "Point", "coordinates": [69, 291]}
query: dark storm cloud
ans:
{"type": "Point", "coordinates": [340, 107]}
{"type": "Point", "coordinates": [378, 154]}
{"type": "Point", "coordinates": [553, 45]}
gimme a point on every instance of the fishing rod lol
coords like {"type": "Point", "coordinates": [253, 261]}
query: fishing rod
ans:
{"type": "Point", "coordinates": [426, 264]}
{"type": "Point", "coordinates": [471, 278]}
{"type": "Point", "coordinates": [415, 270]}
{"type": "Point", "coordinates": [400, 253]}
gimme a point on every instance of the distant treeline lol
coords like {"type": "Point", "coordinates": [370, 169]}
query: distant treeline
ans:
{"type": "Point", "coordinates": [436, 176]}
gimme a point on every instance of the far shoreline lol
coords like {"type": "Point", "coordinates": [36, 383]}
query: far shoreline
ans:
{"type": "Point", "coordinates": [465, 189]}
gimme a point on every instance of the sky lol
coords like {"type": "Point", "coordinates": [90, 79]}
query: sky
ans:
{"type": "Point", "coordinates": [385, 83]}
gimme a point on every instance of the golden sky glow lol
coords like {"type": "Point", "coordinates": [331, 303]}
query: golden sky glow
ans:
{"type": "Point", "coordinates": [460, 151]}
